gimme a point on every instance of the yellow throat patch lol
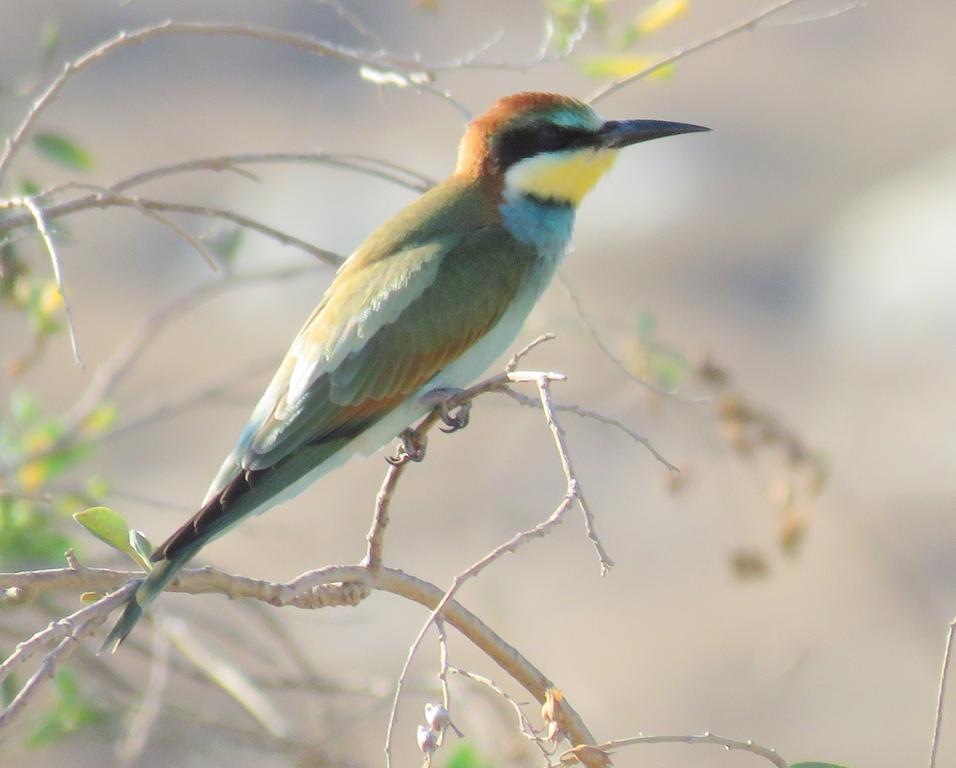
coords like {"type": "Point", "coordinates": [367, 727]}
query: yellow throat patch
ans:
{"type": "Point", "coordinates": [563, 176]}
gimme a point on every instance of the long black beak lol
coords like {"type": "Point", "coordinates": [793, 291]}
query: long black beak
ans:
{"type": "Point", "coordinates": [615, 134]}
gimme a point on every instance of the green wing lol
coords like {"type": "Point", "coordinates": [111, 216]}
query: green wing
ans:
{"type": "Point", "coordinates": [473, 283]}
{"type": "Point", "coordinates": [390, 322]}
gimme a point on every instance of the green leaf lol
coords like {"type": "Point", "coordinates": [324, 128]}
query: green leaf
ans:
{"type": "Point", "coordinates": [63, 151]}
{"type": "Point", "coordinates": [465, 756]}
{"type": "Point", "coordinates": [96, 486]}
{"type": "Point", "coordinates": [28, 187]}
{"type": "Point", "coordinates": [73, 710]}
{"type": "Point", "coordinates": [816, 765]}
{"type": "Point", "coordinates": [28, 535]}
{"type": "Point", "coordinates": [49, 40]}
{"type": "Point", "coordinates": [142, 549]}
{"type": "Point", "coordinates": [225, 244]}
{"type": "Point", "coordinates": [614, 66]}
{"type": "Point", "coordinates": [108, 526]}
{"type": "Point", "coordinates": [8, 689]}
{"type": "Point", "coordinates": [659, 15]}
{"type": "Point", "coordinates": [24, 407]}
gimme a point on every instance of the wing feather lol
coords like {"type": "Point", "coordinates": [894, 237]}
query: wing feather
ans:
{"type": "Point", "coordinates": [473, 284]}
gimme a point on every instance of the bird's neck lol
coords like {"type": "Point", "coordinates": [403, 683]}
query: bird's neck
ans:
{"type": "Point", "coordinates": [544, 224]}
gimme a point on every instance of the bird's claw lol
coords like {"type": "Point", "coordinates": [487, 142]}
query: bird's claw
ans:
{"type": "Point", "coordinates": [455, 419]}
{"type": "Point", "coordinates": [411, 448]}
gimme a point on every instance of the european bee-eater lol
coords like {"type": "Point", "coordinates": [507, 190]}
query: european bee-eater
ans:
{"type": "Point", "coordinates": [427, 302]}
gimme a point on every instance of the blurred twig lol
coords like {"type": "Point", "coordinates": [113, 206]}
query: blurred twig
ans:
{"type": "Point", "coordinates": [749, 23]}
{"type": "Point", "coordinates": [146, 712]}
{"type": "Point", "coordinates": [37, 215]}
{"type": "Point", "coordinates": [941, 698]}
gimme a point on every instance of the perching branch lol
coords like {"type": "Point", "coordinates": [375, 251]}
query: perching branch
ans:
{"type": "Point", "coordinates": [330, 586]}
{"type": "Point", "coordinates": [313, 589]}
{"type": "Point", "coordinates": [572, 495]}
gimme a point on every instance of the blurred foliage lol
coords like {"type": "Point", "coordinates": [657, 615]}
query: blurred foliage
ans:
{"type": "Point", "coordinates": [71, 711]}
{"type": "Point", "coordinates": [753, 433]}
{"type": "Point", "coordinates": [464, 755]}
{"type": "Point", "coordinates": [35, 450]}
{"type": "Point", "coordinates": [63, 151]}
{"type": "Point", "coordinates": [816, 765]}
{"type": "Point", "coordinates": [573, 20]}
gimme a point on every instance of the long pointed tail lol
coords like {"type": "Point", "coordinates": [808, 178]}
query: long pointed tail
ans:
{"type": "Point", "coordinates": [147, 591]}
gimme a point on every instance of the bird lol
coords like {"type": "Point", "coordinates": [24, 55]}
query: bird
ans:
{"type": "Point", "coordinates": [426, 303]}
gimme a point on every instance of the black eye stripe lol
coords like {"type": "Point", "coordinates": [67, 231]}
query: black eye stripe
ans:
{"type": "Point", "coordinates": [520, 143]}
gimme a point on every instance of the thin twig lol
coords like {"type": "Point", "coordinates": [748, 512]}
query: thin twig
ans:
{"type": "Point", "coordinates": [524, 724]}
{"type": "Point", "coordinates": [471, 59]}
{"type": "Point", "coordinates": [193, 242]}
{"type": "Point", "coordinates": [226, 676]}
{"type": "Point", "coordinates": [40, 221]}
{"type": "Point", "coordinates": [941, 698]}
{"type": "Point", "coordinates": [380, 168]}
{"type": "Point", "coordinates": [749, 23]}
{"type": "Point", "coordinates": [351, 19]}
{"type": "Point", "coordinates": [767, 753]}
{"type": "Point", "coordinates": [821, 16]}
{"type": "Point", "coordinates": [604, 348]}
{"type": "Point", "coordinates": [66, 633]}
{"type": "Point", "coordinates": [146, 712]}
{"type": "Point", "coordinates": [587, 413]}
{"type": "Point", "coordinates": [543, 381]}
{"type": "Point", "coordinates": [126, 39]}
{"type": "Point", "coordinates": [110, 374]}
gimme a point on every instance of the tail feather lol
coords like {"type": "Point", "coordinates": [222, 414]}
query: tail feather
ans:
{"type": "Point", "coordinates": [145, 593]}
{"type": "Point", "coordinates": [248, 492]}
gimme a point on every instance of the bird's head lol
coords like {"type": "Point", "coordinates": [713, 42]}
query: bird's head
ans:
{"type": "Point", "coordinates": [551, 147]}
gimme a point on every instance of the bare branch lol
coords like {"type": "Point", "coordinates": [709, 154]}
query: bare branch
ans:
{"type": "Point", "coordinates": [941, 698]}
{"type": "Point", "coordinates": [66, 633]}
{"type": "Point", "coordinates": [193, 242]}
{"type": "Point", "coordinates": [171, 28]}
{"type": "Point", "coordinates": [376, 534]}
{"type": "Point", "coordinates": [370, 166]}
{"type": "Point", "coordinates": [543, 381]}
{"type": "Point", "coordinates": [303, 592]}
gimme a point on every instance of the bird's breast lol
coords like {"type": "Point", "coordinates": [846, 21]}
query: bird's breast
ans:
{"type": "Point", "coordinates": [542, 224]}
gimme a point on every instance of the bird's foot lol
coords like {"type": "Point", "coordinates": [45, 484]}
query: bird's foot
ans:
{"type": "Point", "coordinates": [411, 448]}
{"type": "Point", "coordinates": [453, 417]}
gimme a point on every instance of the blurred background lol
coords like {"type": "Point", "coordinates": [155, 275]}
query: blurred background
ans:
{"type": "Point", "coordinates": [790, 274]}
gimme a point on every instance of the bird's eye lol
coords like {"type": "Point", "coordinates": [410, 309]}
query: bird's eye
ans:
{"type": "Point", "coordinates": [550, 137]}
